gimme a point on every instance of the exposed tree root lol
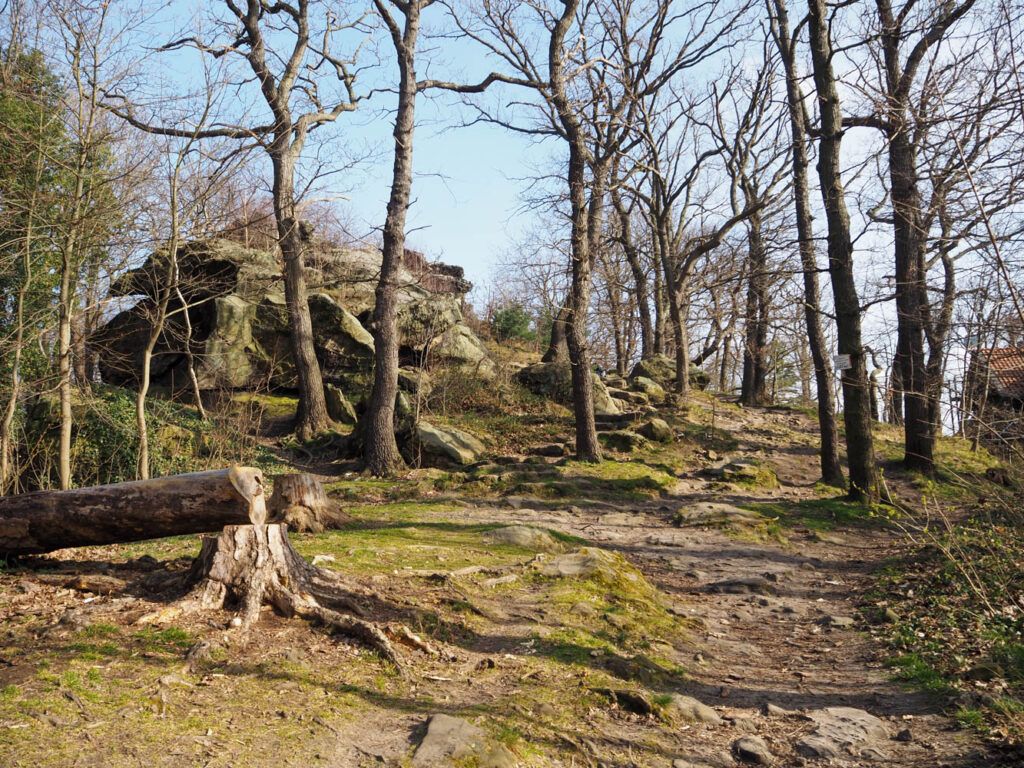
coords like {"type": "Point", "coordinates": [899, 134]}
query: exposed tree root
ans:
{"type": "Point", "coordinates": [247, 566]}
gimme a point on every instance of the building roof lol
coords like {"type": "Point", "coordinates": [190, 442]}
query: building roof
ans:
{"type": "Point", "coordinates": [1006, 366]}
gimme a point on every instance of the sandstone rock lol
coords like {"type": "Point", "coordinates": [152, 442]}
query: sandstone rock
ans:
{"type": "Point", "coordinates": [452, 740]}
{"type": "Point", "coordinates": [714, 514]}
{"type": "Point", "coordinates": [623, 440]}
{"type": "Point", "coordinates": [338, 406]}
{"type": "Point", "coordinates": [461, 346]}
{"type": "Point", "coordinates": [662, 369]}
{"type": "Point", "coordinates": [657, 430]}
{"type": "Point", "coordinates": [689, 708]}
{"type": "Point", "coordinates": [584, 563]}
{"type": "Point", "coordinates": [747, 585]}
{"type": "Point", "coordinates": [415, 381]}
{"type": "Point", "coordinates": [449, 443]}
{"type": "Point", "coordinates": [752, 749]}
{"type": "Point", "coordinates": [841, 731]}
{"type": "Point", "coordinates": [241, 335]}
{"type": "Point", "coordinates": [554, 381]}
{"type": "Point", "coordinates": [524, 536]}
{"type": "Point", "coordinates": [649, 387]}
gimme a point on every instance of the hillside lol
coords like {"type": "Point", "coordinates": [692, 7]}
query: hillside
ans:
{"type": "Point", "coordinates": [685, 603]}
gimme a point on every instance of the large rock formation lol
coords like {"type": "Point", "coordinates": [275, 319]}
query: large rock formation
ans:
{"type": "Point", "coordinates": [240, 332]}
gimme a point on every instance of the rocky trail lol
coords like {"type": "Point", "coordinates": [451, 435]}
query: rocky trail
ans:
{"type": "Point", "coordinates": [782, 669]}
{"type": "Point", "coordinates": [684, 628]}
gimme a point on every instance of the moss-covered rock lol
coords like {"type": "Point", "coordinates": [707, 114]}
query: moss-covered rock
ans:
{"type": "Point", "coordinates": [448, 444]}
{"type": "Point", "coordinates": [652, 389]}
{"type": "Point", "coordinates": [623, 440]}
{"type": "Point", "coordinates": [657, 430]}
{"type": "Point", "coordinates": [554, 380]}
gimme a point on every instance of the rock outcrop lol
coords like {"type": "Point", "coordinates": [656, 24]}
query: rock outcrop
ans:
{"type": "Point", "coordinates": [554, 380]}
{"type": "Point", "coordinates": [240, 332]}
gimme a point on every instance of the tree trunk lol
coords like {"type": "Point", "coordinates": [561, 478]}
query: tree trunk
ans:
{"type": "Point", "coordinates": [380, 450]}
{"type": "Point", "coordinates": [911, 300]}
{"type": "Point", "coordinates": [299, 500]}
{"type": "Point", "coordinates": [587, 446]}
{"type": "Point", "coordinates": [659, 313]}
{"type": "Point", "coordinates": [643, 302]}
{"type": "Point", "coordinates": [39, 522]}
{"type": "Point", "coordinates": [558, 348]}
{"type": "Point", "coordinates": [857, 410]}
{"type": "Point", "coordinates": [831, 469]}
{"type": "Point", "coordinates": [312, 417]}
{"type": "Point", "coordinates": [754, 385]}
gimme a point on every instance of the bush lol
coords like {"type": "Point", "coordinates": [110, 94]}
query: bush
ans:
{"type": "Point", "coordinates": [105, 440]}
{"type": "Point", "coordinates": [512, 322]}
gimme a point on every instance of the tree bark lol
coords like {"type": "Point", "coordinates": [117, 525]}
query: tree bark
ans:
{"type": "Point", "coordinates": [754, 384]}
{"type": "Point", "coordinates": [43, 521]}
{"type": "Point", "coordinates": [831, 469]}
{"type": "Point", "coordinates": [312, 417]}
{"type": "Point", "coordinates": [380, 450]}
{"type": "Point", "coordinates": [300, 502]}
{"type": "Point", "coordinates": [856, 397]}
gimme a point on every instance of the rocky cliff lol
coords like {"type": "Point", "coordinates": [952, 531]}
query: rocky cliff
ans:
{"type": "Point", "coordinates": [233, 297]}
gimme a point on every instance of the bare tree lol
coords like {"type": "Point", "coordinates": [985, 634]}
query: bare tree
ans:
{"type": "Point", "coordinates": [293, 97]}
{"type": "Point", "coordinates": [786, 41]}
{"type": "Point", "coordinates": [856, 392]}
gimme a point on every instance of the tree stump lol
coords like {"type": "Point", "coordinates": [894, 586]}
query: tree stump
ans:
{"type": "Point", "coordinates": [300, 502]}
{"type": "Point", "coordinates": [246, 566]}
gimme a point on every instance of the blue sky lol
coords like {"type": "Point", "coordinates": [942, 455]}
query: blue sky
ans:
{"type": "Point", "coordinates": [468, 179]}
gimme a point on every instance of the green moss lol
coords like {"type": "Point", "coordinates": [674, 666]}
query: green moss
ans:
{"type": "Point", "coordinates": [821, 514]}
{"type": "Point", "coordinates": [272, 406]}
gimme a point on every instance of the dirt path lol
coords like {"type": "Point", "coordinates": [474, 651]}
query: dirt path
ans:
{"type": "Point", "coordinates": [778, 623]}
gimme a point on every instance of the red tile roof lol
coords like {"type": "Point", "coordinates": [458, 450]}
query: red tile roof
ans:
{"type": "Point", "coordinates": [1007, 368]}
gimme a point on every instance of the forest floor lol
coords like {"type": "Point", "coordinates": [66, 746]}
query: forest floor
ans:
{"type": "Point", "coordinates": [641, 612]}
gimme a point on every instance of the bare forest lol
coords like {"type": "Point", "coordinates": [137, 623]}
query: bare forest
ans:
{"type": "Point", "coordinates": [374, 374]}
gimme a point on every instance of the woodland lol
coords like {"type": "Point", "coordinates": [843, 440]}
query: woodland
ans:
{"type": "Point", "coordinates": [728, 446]}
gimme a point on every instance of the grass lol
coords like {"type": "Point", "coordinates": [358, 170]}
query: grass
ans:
{"type": "Point", "coordinates": [824, 514]}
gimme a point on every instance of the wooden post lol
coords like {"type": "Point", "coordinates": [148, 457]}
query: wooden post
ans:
{"type": "Point", "coordinates": [201, 502]}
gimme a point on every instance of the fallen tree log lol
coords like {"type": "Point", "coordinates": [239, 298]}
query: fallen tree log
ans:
{"type": "Point", "coordinates": [200, 502]}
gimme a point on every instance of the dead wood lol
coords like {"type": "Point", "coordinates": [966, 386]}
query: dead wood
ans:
{"type": "Point", "coordinates": [246, 566]}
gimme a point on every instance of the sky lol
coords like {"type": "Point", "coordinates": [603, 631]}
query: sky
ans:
{"type": "Point", "coordinates": [468, 180]}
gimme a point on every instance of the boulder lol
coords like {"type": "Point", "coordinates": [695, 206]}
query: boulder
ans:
{"type": "Point", "coordinates": [554, 380]}
{"type": "Point", "coordinates": [662, 369]}
{"type": "Point", "coordinates": [448, 444]}
{"type": "Point", "coordinates": [710, 513]}
{"type": "Point", "coordinates": [840, 732]}
{"type": "Point", "coordinates": [649, 387]}
{"type": "Point", "coordinates": [415, 381]}
{"type": "Point", "coordinates": [632, 398]}
{"type": "Point", "coordinates": [659, 368]}
{"type": "Point", "coordinates": [692, 710]}
{"type": "Point", "coordinates": [241, 336]}
{"type": "Point", "coordinates": [460, 346]}
{"type": "Point", "coordinates": [657, 430]}
{"type": "Point", "coordinates": [524, 536]}
{"type": "Point", "coordinates": [453, 741]}
{"type": "Point", "coordinates": [338, 406]}
{"type": "Point", "coordinates": [583, 563]}
{"type": "Point", "coordinates": [753, 750]}
{"type": "Point", "coordinates": [623, 440]}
